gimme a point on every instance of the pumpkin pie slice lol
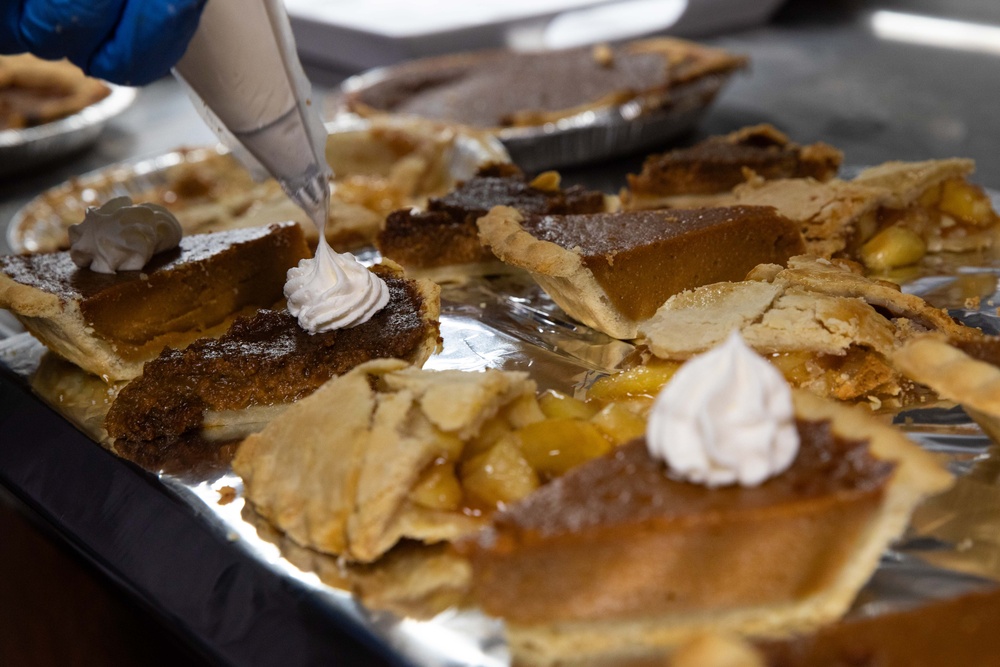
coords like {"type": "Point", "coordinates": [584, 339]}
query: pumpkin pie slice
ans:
{"type": "Point", "coordinates": [828, 329]}
{"type": "Point", "coordinates": [386, 464]}
{"type": "Point", "coordinates": [612, 271]}
{"type": "Point", "coordinates": [679, 178]}
{"type": "Point", "coordinates": [234, 384]}
{"type": "Point", "coordinates": [967, 372]}
{"type": "Point", "coordinates": [442, 240]}
{"type": "Point", "coordinates": [616, 557]}
{"type": "Point", "coordinates": [111, 324]}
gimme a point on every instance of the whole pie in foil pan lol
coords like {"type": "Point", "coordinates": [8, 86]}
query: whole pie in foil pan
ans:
{"type": "Point", "coordinates": [556, 108]}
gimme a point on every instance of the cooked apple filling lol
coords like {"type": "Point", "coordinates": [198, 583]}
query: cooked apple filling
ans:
{"type": "Point", "coordinates": [504, 463]}
{"type": "Point", "coordinates": [952, 215]}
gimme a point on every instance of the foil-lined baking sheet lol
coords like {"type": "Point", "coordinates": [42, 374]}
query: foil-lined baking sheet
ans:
{"type": "Point", "coordinates": [409, 599]}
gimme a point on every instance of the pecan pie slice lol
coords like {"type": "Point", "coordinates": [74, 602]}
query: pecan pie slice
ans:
{"type": "Point", "coordinates": [681, 177]}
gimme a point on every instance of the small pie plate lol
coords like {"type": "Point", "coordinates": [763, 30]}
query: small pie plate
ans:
{"type": "Point", "coordinates": [21, 149]}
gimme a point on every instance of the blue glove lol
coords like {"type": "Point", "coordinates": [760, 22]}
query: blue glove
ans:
{"type": "Point", "coordinates": [131, 42]}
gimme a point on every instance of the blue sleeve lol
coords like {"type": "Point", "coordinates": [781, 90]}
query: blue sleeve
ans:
{"type": "Point", "coordinates": [130, 42]}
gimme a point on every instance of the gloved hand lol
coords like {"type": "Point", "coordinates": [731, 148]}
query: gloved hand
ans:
{"type": "Point", "coordinates": [131, 42]}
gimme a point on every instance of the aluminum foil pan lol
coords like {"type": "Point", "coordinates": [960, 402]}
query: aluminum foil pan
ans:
{"type": "Point", "coordinates": [593, 135]}
{"type": "Point", "coordinates": [25, 148]}
{"type": "Point", "coordinates": [951, 547]}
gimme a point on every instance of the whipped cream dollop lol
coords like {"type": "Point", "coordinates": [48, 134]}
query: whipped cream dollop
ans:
{"type": "Point", "coordinates": [333, 291]}
{"type": "Point", "coordinates": [122, 236]}
{"type": "Point", "coordinates": [725, 417]}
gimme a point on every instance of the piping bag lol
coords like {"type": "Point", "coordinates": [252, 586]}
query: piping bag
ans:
{"type": "Point", "coordinates": [244, 77]}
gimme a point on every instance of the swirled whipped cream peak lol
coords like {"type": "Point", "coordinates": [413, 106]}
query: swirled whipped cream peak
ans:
{"type": "Point", "coordinates": [726, 417]}
{"type": "Point", "coordinates": [122, 236]}
{"type": "Point", "coordinates": [333, 291]}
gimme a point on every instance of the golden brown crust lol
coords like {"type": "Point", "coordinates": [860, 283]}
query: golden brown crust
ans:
{"type": "Point", "coordinates": [906, 181]}
{"type": "Point", "coordinates": [955, 376]}
{"type": "Point", "coordinates": [560, 272]}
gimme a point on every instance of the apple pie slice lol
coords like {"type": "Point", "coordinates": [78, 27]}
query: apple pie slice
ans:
{"type": "Point", "coordinates": [826, 327]}
{"type": "Point", "coordinates": [387, 464]}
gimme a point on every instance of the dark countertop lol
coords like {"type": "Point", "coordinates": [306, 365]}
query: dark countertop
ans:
{"type": "Point", "coordinates": [819, 72]}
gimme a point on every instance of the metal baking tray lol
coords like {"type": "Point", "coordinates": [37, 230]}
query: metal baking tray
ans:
{"type": "Point", "coordinates": [247, 597]}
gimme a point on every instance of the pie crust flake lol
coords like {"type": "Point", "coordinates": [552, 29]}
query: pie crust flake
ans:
{"type": "Point", "coordinates": [968, 376]}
